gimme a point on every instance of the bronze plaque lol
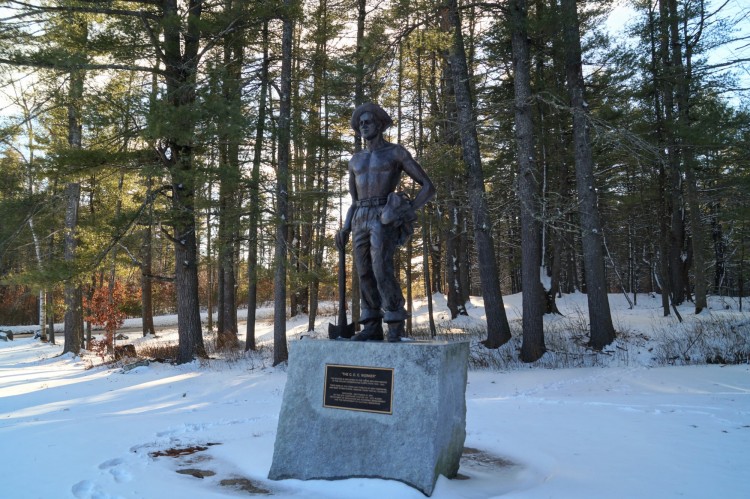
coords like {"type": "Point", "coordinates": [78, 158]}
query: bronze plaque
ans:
{"type": "Point", "coordinates": [356, 388]}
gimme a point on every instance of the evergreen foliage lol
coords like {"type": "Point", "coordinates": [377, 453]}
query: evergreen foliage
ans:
{"type": "Point", "coordinates": [198, 189]}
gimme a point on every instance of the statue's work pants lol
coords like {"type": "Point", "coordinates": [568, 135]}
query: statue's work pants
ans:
{"type": "Point", "coordinates": [374, 247]}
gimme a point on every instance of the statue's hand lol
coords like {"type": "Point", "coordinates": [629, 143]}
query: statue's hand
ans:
{"type": "Point", "coordinates": [409, 215]}
{"type": "Point", "coordinates": [342, 237]}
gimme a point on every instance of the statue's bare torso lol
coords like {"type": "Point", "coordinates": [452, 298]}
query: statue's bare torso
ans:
{"type": "Point", "coordinates": [376, 173]}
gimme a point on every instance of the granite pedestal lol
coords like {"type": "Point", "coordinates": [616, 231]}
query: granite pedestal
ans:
{"type": "Point", "coordinates": [372, 409]}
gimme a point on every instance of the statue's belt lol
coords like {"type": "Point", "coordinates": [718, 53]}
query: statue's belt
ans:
{"type": "Point", "coordinates": [370, 202]}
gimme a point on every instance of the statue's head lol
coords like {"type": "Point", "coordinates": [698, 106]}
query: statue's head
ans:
{"type": "Point", "coordinates": [370, 112]}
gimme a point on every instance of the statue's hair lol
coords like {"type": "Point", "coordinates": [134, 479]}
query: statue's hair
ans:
{"type": "Point", "coordinates": [375, 110]}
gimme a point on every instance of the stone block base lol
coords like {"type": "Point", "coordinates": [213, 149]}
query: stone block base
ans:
{"type": "Point", "coordinates": [372, 409]}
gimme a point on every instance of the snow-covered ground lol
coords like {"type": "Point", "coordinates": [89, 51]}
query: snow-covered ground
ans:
{"type": "Point", "coordinates": [621, 429]}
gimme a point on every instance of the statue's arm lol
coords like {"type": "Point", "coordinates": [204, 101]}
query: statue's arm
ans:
{"type": "Point", "coordinates": [417, 173]}
{"type": "Point", "coordinates": [342, 236]}
{"type": "Point", "coordinates": [354, 196]}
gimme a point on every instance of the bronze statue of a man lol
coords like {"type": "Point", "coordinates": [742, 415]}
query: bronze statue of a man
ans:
{"type": "Point", "coordinates": [380, 219]}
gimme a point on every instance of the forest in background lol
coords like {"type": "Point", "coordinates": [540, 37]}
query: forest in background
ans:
{"type": "Point", "coordinates": [172, 156]}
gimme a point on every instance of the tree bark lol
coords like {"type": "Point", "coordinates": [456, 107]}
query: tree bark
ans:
{"type": "Point", "coordinates": [321, 91]}
{"type": "Point", "coordinates": [425, 218]}
{"type": "Point", "coordinates": [427, 276]}
{"type": "Point", "coordinates": [280, 353]}
{"type": "Point", "coordinates": [211, 279]}
{"type": "Point", "coordinates": [452, 269]}
{"type": "Point", "coordinates": [31, 163]}
{"type": "Point", "coordinates": [664, 208]}
{"type": "Point", "coordinates": [147, 301]}
{"type": "Point", "coordinates": [181, 68]}
{"type": "Point", "coordinates": [229, 190]}
{"type": "Point", "coordinates": [677, 254]}
{"type": "Point", "coordinates": [532, 347]}
{"type": "Point", "coordinates": [112, 280]}
{"type": "Point", "coordinates": [255, 200]}
{"type": "Point", "coordinates": [50, 318]}
{"type": "Point", "coordinates": [683, 74]}
{"type": "Point", "coordinates": [600, 320]}
{"type": "Point", "coordinates": [73, 292]}
{"type": "Point", "coordinates": [73, 296]}
{"type": "Point", "coordinates": [456, 251]}
{"type": "Point", "coordinates": [719, 246]}
{"type": "Point", "coordinates": [399, 130]}
{"type": "Point", "coordinates": [42, 292]}
{"type": "Point", "coordinates": [498, 329]}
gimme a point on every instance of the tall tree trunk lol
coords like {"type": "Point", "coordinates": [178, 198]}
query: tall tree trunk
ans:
{"type": "Point", "coordinates": [683, 75]}
{"type": "Point", "coordinates": [73, 294]}
{"type": "Point", "coordinates": [464, 260]}
{"type": "Point", "coordinates": [456, 254]}
{"type": "Point", "coordinates": [211, 278]}
{"type": "Point", "coordinates": [741, 274]}
{"type": "Point", "coordinates": [427, 276]}
{"type": "Point", "coordinates": [299, 221]}
{"type": "Point", "coordinates": [452, 270]}
{"type": "Point", "coordinates": [92, 288]}
{"type": "Point", "coordinates": [319, 240]}
{"type": "Point", "coordinates": [309, 200]}
{"type": "Point", "coordinates": [720, 248]}
{"type": "Point", "coordinates": [359, 98]}
{"type": "Point", "coordinates": [453, 186]}
{"type": "Point", "coordinates": [321, 92]}
{"type": "Point", "coordinates": [229, 195]}
{"type": "Point", "coordinates": [42, 292]}
{"type": "Point", "coordinates": [677, 255]}
{"type": "Point", "coordinates": [425, 218]}
{"type": "Point", "coordinates": [663, 194]}
{"type": "Point", "coordinates": [436, 260]}
{"type": "Point", "coordinates": [112, 280]}
{"type": "Point", "coordinates": [532, 347]}
{"type": "Point", "coordinates": [280, 353]}
{"type": "Point", "coordinates": [180, 69]}
{"type": "Point", "coordinates": [50, 318]}
{"type": "Point", "coordinates": [552, 162]}
{"type": "Point", "coordinates": [147, 307]}
{"type": "Point", "coordinates": [399, 122]}
{"type": "Point", "coordinates": [255, 200]}
{"type": "Point", "coordinates": [147, 301]}
{"type": "Point", "coordinates": [600, 319]}
{"type": "Point", "coordinates": [31, 163]}
{"type": "Point", "coordinates": [498, 329]}
{"type": "Point", "coordinates": [317, 181]}
{"type": "Point", "coordinates": [186, 260]}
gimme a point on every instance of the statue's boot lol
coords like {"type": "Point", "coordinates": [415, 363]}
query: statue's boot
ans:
{"type": "Point", "coordinates": [395, 331]}
{"type": "Point", "coordinates": [373, 331]}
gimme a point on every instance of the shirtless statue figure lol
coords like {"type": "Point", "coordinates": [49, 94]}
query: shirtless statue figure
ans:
{"type": "Point", "coordinates": [380, 220]}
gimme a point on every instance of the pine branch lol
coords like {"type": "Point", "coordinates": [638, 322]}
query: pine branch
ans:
{"type": "Point", "coordinates": [65, 66]}
{"type": "Point", "coordinates": [36, 9]}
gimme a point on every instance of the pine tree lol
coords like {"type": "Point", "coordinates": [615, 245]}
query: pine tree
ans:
{"type": "Point", "coordinates": [600, 319]}
{"type": "Point", "coordinates": [532, 347]}
{"type": "Point", "coordinates": [498, 330]}
{"type": "Point", "coordinates": [280, 352]}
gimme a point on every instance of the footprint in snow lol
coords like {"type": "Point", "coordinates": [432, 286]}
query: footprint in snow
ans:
{"type": "Point", "coordinates": [86, 489]}
{"type": "Point", "coordinates": [116, 468]}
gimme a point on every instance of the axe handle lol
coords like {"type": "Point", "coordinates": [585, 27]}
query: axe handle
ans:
{"type": "Point", "coordinates": [342, 288]}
